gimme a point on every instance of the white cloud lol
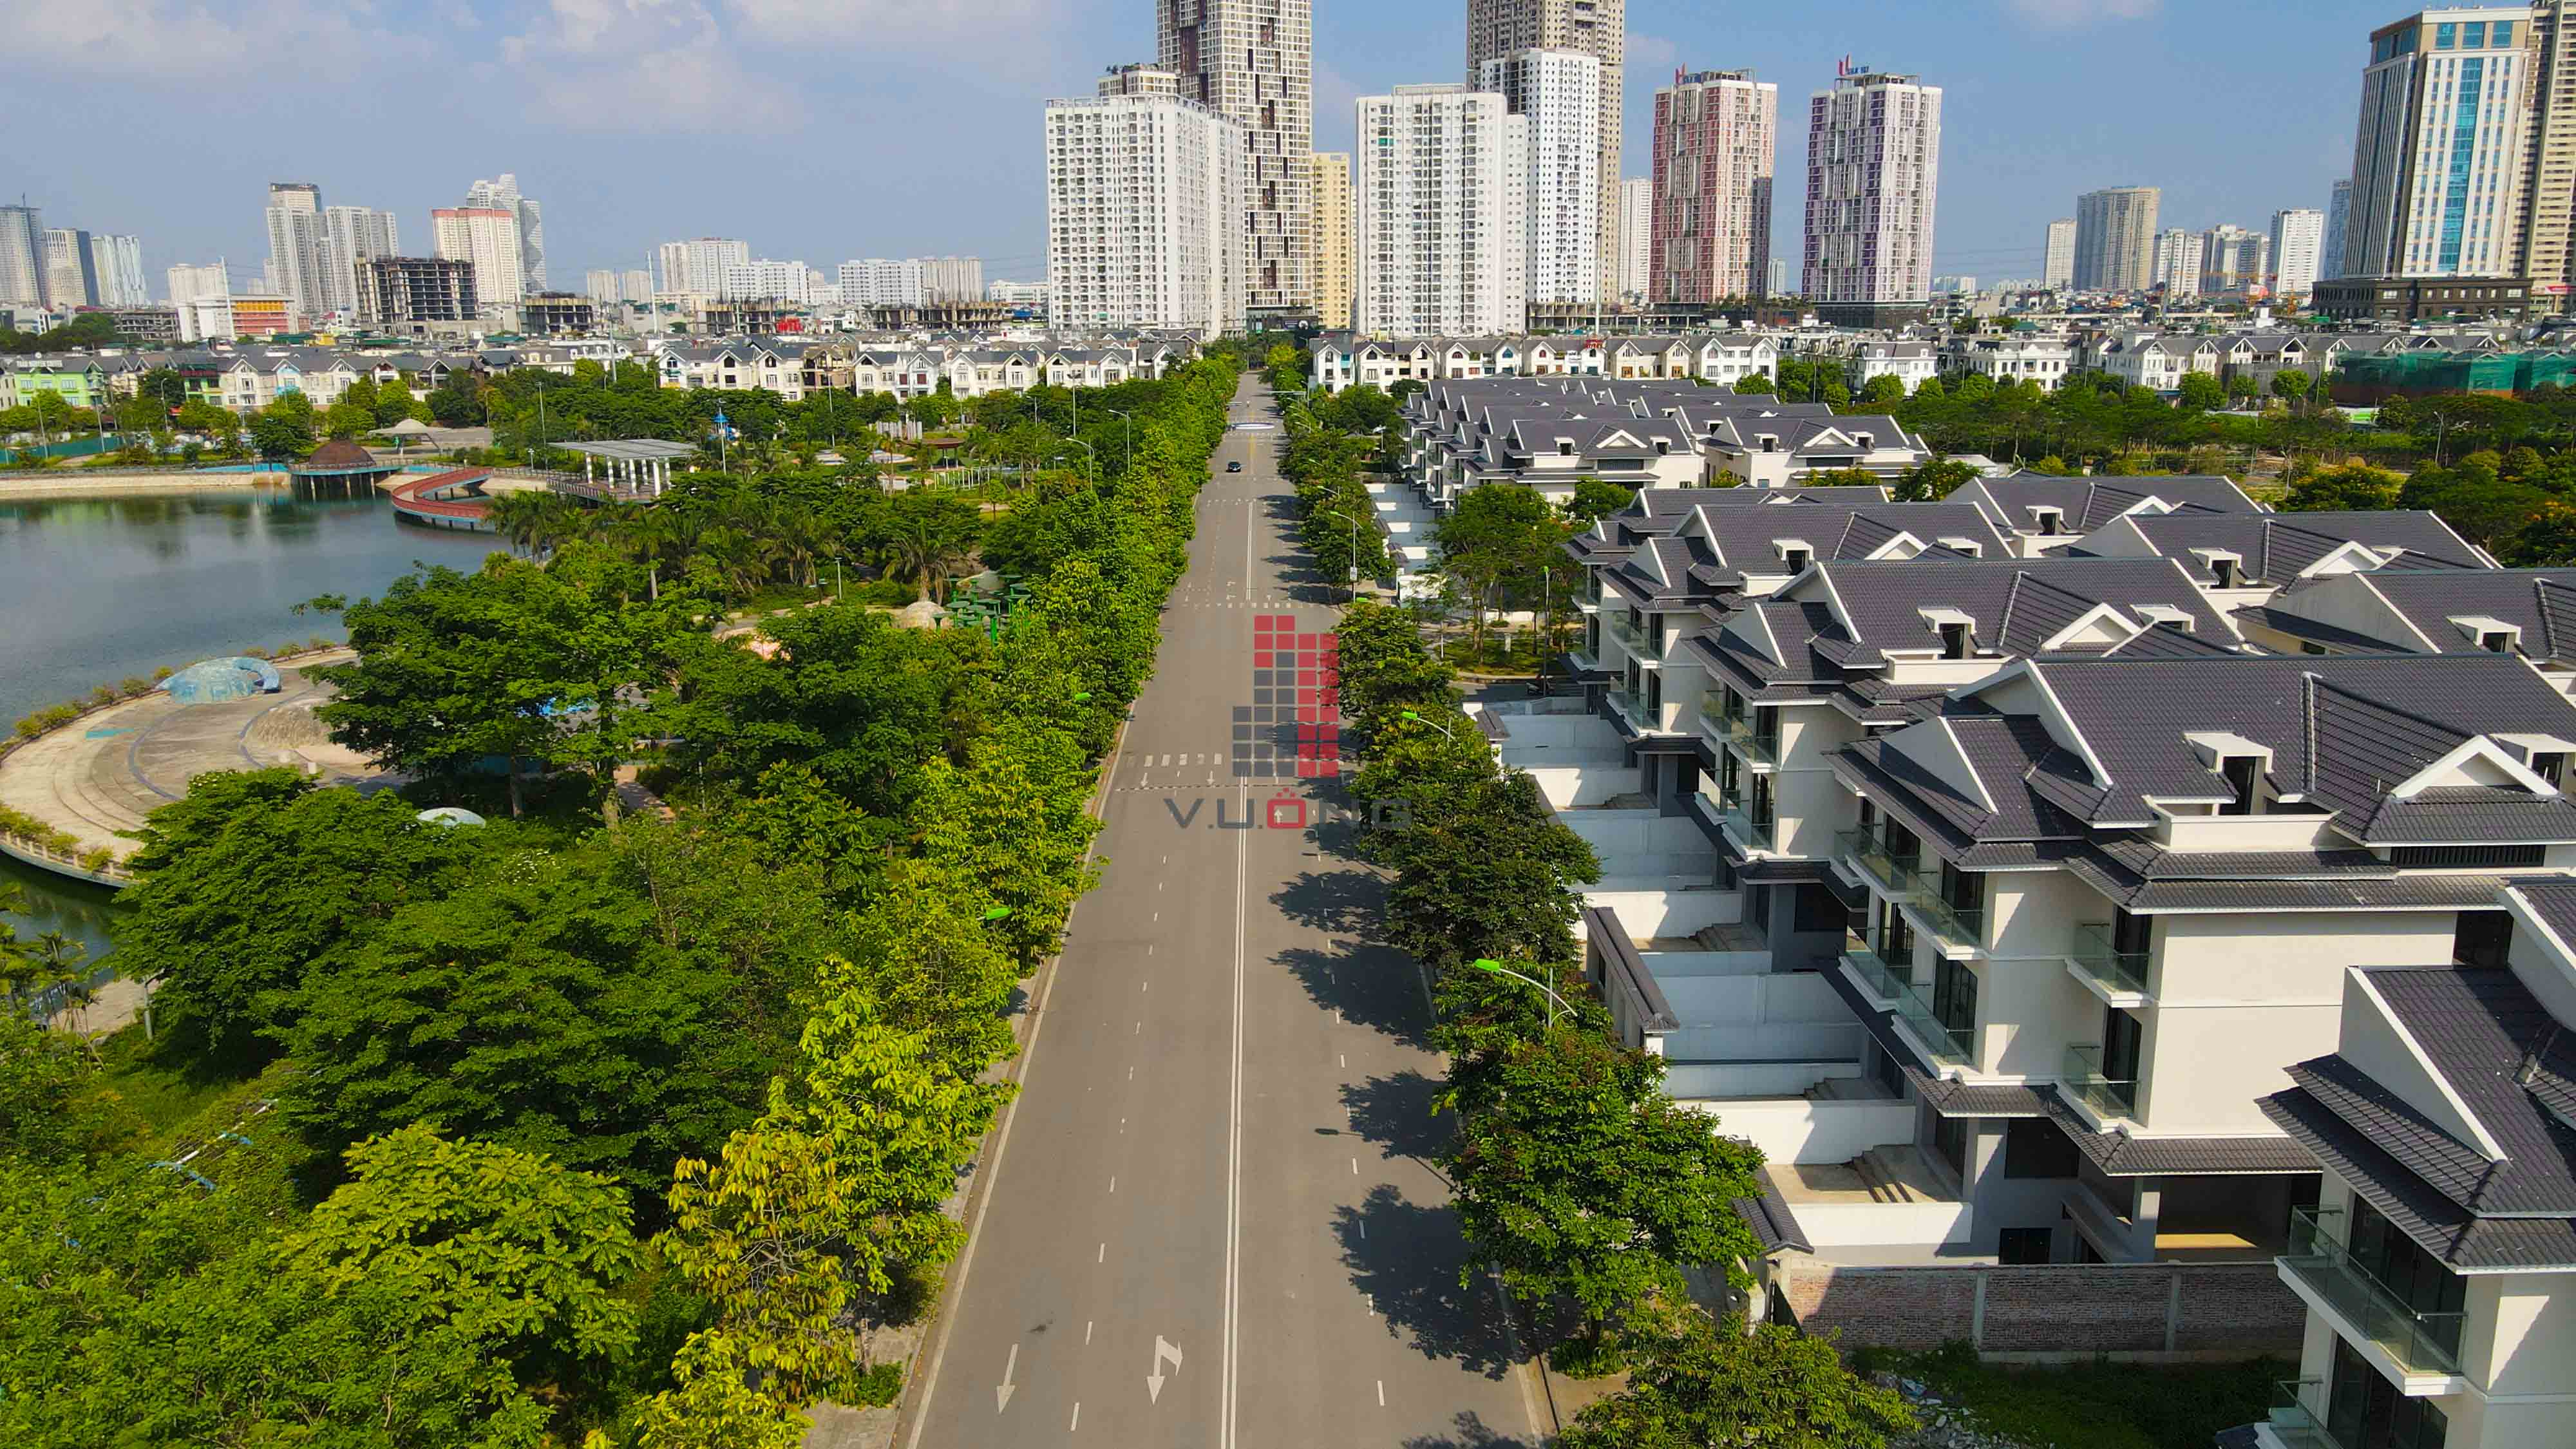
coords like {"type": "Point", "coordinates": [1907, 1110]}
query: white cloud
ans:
{"type": "Point", "coordinates": [636, 65]}
{"type": "Point", "coordinates": [1650, 55]}
{"type": "Point", "coordinates": [2070, 14]}
{"type": "Point", "coordinates": [908, 25]}
{"type": "Point", "coordinates": [181, 39]}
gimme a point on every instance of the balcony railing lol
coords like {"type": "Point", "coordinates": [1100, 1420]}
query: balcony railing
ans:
{"type": "Point", "coordinates": [2115, 971]}
{"type": "Point", "coordinates": [2298, 1417]}
{"type": "Point", "coordinates": [1896, 877]}
{"type": "Point", "coordinates": [1756, 834]}
{"type": "Point", "coordinates": [1883, 981]}
{"type": "Point", "coordinates": [2108, 1096]}
{"type": "Point", "coordinates": [1618, 627]}
{"type": "Point", "coordinates": [1632, 703]}
{"type": "Point", "coordinates": [1913, 886]}
{"type": "Point", "coordinates": [2422, 1343]}
{"type": "Point", "coordinates": [1755, 748]}
{"type": "Point", "coordinates": [1949, 1047]}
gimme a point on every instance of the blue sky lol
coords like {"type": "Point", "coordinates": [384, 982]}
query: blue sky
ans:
{"type": "Point", "coordinates": [826, 129]}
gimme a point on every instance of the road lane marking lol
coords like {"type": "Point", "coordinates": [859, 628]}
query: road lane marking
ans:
{"type": "Point", "coordinates": [1113, 1178]}
{"type": "Point", "coordinates": [1002, 1392]}
{"type": "Point", "coordinates": [1381, 1393]}
{"type": "Point", "coordinates": [1103, 1258]}
{"type": "Point", "coordinates": [1077, 1410]}
{"type": "Point", "coordinates": [1002, 1139]}
{"type": "Point", "coordinates": [1086, 1323]}
{"type": "Point", "coordinates": [1355, 1167]}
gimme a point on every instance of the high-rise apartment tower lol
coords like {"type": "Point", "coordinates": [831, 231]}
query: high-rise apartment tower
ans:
{"type": "Point", "coordinates": [1559, 93]}
{"type": "Point", "coordinates": [2115, 239]}
{"type": "Point", "coordinates": [1252, 62]}
{"type": "Point", "coordinates": [1598, 28]}
{"type": "Point", "coordinates": [2439, 158]}
{"type": "Point", "coordinates": [1716, 132]}
{"type": "Point", "coordinates": [1873, 185]}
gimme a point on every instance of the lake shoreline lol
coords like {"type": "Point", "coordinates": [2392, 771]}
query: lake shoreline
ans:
{"type": "Point", "coordinates": [45, 486]}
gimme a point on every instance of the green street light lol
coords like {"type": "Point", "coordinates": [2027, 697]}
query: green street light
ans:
{"type": "Point", "coordinates": [1493, 967]}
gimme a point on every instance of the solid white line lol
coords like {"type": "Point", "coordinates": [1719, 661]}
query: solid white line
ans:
{"type": "Point", "coordinates": [1077, 1409]}
{"type": "Point", "coordinates": [1002, 1139]}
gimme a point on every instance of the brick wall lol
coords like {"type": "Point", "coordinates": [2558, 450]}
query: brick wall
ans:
{"type": "Point", "coordinates": [2073, 1309]}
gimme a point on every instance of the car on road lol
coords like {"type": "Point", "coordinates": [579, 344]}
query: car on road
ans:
{"type": "Point", "coordinates": [1234, 467]}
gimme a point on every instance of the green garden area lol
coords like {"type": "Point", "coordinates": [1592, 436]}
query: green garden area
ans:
{"type": "Point", "coordinates": [626, 1118]}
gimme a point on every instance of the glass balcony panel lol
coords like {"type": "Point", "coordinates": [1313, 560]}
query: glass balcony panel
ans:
{"type": "Point", "coordinates": [1632, 703]}
{"type": "Point", "coordinates": [1755, 833]}
{"type": "Point", "coordinates": [2298, 1417]}
{"type": "Point", "coordinates": [2106, 1096]}
{"type": "Point", "coordinates": [2114, 971]}
{"type": "Point", "coordinates": [2423, 1343]}
{"type": "Point", "coordinates": [1914, 1008]}
{"type": "Point", "coordinates": [1884, 980]}
{"type": "Point", "coordinates": [1952, 925]}
{"type": "Point", "coordinates": [1896, 877]}
{"type": "Point", "coordinates": [1739, 733]}
{"type": "Point", "coordinates": [1633, 638]}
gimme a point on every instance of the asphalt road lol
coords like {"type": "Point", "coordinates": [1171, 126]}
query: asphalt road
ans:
{"type": "Point", "coordinates": [1212, 1221]}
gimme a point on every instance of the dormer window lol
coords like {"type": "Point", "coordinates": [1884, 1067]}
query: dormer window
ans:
{"type": "Point", "coordinates": [1663, 447]}
{"type": "Point", "coordinates": [1957, 638]}
{"type": "Point", "coordinates": [2551, 765]}
{"type": "Point", "coordinates": [1866, 441]}
{"type": "Point", "coordinates": [2496, 641]}
{"type": "Point", "coordinates": [1795, 557]}
{"type": "Point", "coordinates": [1770, 444]}
{"type": "Point", "coordinates": [1564, 448]}
{"type": "Point", "coordinates": [2166, 615]}
{"type": "Point", "coordinates": [2226, 570]}
{"type": "Point", "coordinates": [2051, 521]}
{"type": "Point", "coordinates": [1968, 546]}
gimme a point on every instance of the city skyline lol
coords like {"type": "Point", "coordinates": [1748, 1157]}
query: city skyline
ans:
{"type": "Point", "coordinates": [605, 172]}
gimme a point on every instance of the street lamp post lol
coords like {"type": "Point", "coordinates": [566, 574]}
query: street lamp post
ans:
{"type": "Point", "coordinates": [1452, 736]}
{"type": "Point", "coordinates": [1130, 421]}
{"type": "Point", "coordinates": [1497, 968]}
{"type": "Point", "coordinates": [1095, 456]}
{"type": "Point", "coordinates": [1355, 546]}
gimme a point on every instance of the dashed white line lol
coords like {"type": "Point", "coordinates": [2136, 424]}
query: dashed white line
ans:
{"type": "Point", "coordinates": [1113, 1177]}
{"type": "Point", "coordinates": [1381, 1398]}
{"type": "Point", "coordinates": [1355, 1167]}
{"type": "Point", "coordinates": [1077, 1409]}
{"type": "Point", "coordinates": [1103, 1258]}
{"type": "Point", "coordinates": [1086, 1330]}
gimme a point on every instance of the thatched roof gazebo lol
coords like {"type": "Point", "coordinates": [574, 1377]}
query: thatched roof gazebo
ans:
{"type": "Point", "coordinates": [341, 461]}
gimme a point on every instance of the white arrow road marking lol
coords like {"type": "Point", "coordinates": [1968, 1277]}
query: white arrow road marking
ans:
{"type": "Point", "coordinates": [1002, 1392]}
{"type": "Point", "coordinates": [1154, 1380]}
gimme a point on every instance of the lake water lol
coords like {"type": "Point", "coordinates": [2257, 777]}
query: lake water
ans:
{"type": "Point", "coordinates": [95, 590]}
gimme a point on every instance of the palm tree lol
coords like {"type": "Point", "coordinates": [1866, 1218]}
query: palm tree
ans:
{"type": "Point", "coordinates": [913, 551]}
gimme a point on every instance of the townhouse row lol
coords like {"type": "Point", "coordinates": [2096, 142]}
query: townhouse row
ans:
{"type": "Point", "coordinates": [2128, 920]}
{"type": "Point", "coordinates": [793, 368]}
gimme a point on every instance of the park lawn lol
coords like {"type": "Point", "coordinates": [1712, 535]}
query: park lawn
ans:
{"type": "Point", "coordinates": [2099, 1405]}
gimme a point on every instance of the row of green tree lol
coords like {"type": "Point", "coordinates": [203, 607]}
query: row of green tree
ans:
{"type": "Point", "coordinates": [1576, 1178]}
{"type": "Point", "coordinates": [552, 1128]}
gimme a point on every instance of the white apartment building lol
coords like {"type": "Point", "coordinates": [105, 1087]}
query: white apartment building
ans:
{"type": "Point", "coordinates": [2438, 158]}
{"type": "Point", "coordinates": [502, 193]}
{"type": "Point", "coordinates": [1334, 265]}
{"type": "Point", "coordinates": [118, 263]}
{"type": "Point", "coordinates": [600, 284]}
{"type": "Point", "coordinates": [1440, 238]}
{"type": "Point", "coordinates": [635, 284]}
{"type": "Point", "coordinates": [1252, 62]}
{"type": "Point", "coordinates": [1558, 92]}
{"type": "Point", "coordinates": [766, 280]}
{"type": "Point", "coordinates": [1873, 183]}
{"type": "Point", "coordinates": [883, 282]}
{"type": "Point", "coordinates": [2298, 251]}
{"type": "Point", "coordinates": [1716, 132]}
{"type": "Point", "coordinates": [698, 267]}
{"type": "Point", "coordinates": [1146, 195]}
{"type": "Point", "coordinates": [1598, 28]}
{"type": "Point", "coordinates": [2057, 269]}
{"type": "Point", "coordinates": [952, 279]}
{"type": "Point", "coordinates": [487, 236]}
{"type": "Point", "coordinates": [22, 262]}
{"type": "Point", "coordinates": [299, 249]}
{"type": "Point", "coordinates": [2179, 257]}
{"type": "Point", "coordinates": [2115, 239]}
{"type": "Point", "coordinates": [1636, 238]}
{"type": "Point", "coordinates": [70, 280]}
{"type": "Point", "coordinates": [2234, 260]}
{"type": "Point", "coordinates": [354, 236]}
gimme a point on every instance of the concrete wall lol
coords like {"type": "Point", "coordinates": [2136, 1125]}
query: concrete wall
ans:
{"type": "Point", "coordinates": [2075, 1310]}
{"type": "Point", "coordinates": [1884, 1224]}
{"type": "Point", "coordinates": [1652, 913]}
{"type": "Point", "coordinates": [1634, 844]}
{"type": "Point", "coordinates": [1794, 1129]}
{"type": "Point", "coordinates": [1568, 787]}
{"type": "Point", "coordinates": [1723, 1083]}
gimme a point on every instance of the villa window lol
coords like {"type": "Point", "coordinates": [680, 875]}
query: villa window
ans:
{"type": "Point", "coordinates": [1795, 559]}
{"type": "Point", "coordinates": [2363, 1408]}
{"type": "Point", "coordinates": [1954, 996]}
{"type": "Point", "coordinates": [2052, 522]}
{"type": "Point", "coordinates": [1954, 641]}
{"type": "Point", "coordinates": [2122, 1040]}
{"type": "Point", "coordinates": [2496, 642]}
